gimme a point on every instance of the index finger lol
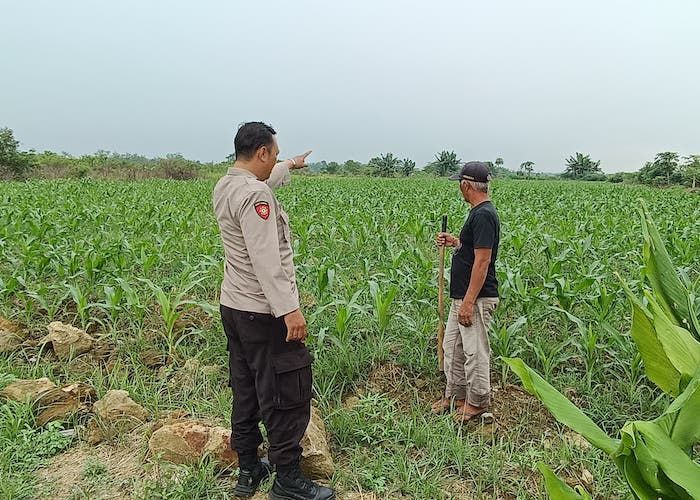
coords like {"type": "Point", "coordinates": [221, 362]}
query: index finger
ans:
{"type": "Point", "coordinates": [306, 154]}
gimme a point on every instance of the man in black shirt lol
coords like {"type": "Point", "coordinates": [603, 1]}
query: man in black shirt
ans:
{"type": "Point", "coordinates": [474, 293]}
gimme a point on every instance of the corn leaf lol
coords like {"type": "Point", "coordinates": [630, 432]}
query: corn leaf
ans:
{"type": "Point", "coordinates": [676, 465]}
{"type": "Point", "coordinates": [681, 419]}
{"type": "Point", "coordinates": [558, 489]}
{"type": "Point", "coordinates": [561, 408]}
{"type": "Point", "coordinates": [679, 345]}
{"type": "Point", "coordinates": [657, 365]}
{"type": "Point", "coordinates": [663, 276]}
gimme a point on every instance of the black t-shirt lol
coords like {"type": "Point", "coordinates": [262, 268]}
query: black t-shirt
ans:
{"type": "Point", "coordinates": [481, 230]}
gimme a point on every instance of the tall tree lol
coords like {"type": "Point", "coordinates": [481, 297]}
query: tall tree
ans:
{"type": "Point", "coordinates": [446, 163]}
{"type": "Point", "coordinates": [353, 167]}
{"type": "Point", "coordinates": [499, 162]}
{"type": "Point", "coordinates": [407, 166]}
{"type": "Point", "coordinates": [579, 166]}
{"type": "Point", "coordinates": [332, 167]}
{"type": "Point", "coordinates": [691, 170]}
{"type": "Point", "coordinates": [527, 167]}
{"type": "Point", "coordinates": [664, 170]}
{"type": "Point", "coordinates": [385, 165]}
{"type": "Point", "coordinates": [13, 163]}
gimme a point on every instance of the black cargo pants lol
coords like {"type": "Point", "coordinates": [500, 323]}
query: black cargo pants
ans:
{"type": "Point", "coordinates": [271, 380]}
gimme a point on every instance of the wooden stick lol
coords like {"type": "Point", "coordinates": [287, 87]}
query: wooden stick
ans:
{"type": "Point", "coordinates": [441, 301]}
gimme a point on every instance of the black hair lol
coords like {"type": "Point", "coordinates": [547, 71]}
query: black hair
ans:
{"type": "Point", "coordinates": [250, 137]}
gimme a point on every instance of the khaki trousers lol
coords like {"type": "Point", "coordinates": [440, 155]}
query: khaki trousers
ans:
{"type": "Point", "coordinates": [468, 354]}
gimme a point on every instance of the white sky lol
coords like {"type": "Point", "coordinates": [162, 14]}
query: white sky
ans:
{"type": "Point", "coordinates": [525, 80]}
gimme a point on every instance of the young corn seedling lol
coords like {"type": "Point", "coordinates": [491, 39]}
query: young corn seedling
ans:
{"type": "Point", "coordinates": [134, 306]}
{"type": "Point", "coordinates": [171, 309]}
{"type": "Point", "coordinates": [504, 340]}
{"type": "Point", "coordinates": [82, 303]}
{"type": "Point", "coordinates": [50, 304]}
{"type": "Point", "coordinates": [112, 304]}
{"type": "Point", "coordinates": [382, 304]}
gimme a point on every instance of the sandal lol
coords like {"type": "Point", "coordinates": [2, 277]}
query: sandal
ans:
{"type": "Point", "coordinates": [468, 413]}
{"type": "Point", "coordinates": [445, 405]}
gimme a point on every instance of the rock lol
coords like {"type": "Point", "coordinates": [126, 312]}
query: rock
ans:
{"type": "Point", "coordinates": [316, 459]}
{"type": "Point", "coordinates": [59, 403]}
{"type": "Point", "coordinates": [11, 335]}
{"type": "Point", "coordinates": [67, 340]}
{"type": "Point", "coordinates": [219, 447]}
{"type": "Point", "coordinates": [587, 479]}
{"type": "Point", "coordinates": [27, 390]}
{"type": "Point", "coordinates": [186, 442]}
{"type": "Point", "coordinates": [168, 418]}
{"type": "Point", "coordinates": [94, 434]}
{"type": "Point", "coordinates": [116, 412]}
{"type": "Point", "coordinates": [576, 440]}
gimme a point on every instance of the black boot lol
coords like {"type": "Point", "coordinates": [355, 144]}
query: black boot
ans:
{"type": "Point", "coordinates": [291, 484]}
{"type": "Point", "coordinates": [250, 477]}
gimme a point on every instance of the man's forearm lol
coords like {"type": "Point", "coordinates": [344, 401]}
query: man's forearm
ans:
{"type": "Point", "coordinates": [280, 175]}
{"type": "Point", "coordinates": [477, 280]}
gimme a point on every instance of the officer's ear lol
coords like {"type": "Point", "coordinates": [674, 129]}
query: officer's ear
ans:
{"type": "Point", "coordinates": [262, 153]}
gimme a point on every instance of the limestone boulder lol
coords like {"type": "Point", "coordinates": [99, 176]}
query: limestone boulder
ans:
{"type": "Point", "coordinates": [60, 403]}
{"type": "Point", "coordinates": [186, 442]}
{"type": "Point", "coordinates": [116, 413]}
{"type": "Point", "coordinates": [316, 459]}
{"type": "Point", "coordinates": [27, 390]}
{"type": "Point", "coordinates": [11, 336]}
{"type": "Point", "coordinates": [67, 341]}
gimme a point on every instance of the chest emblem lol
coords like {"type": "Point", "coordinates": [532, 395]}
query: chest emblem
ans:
{"type": "Point", "coordinates": [263, 209]}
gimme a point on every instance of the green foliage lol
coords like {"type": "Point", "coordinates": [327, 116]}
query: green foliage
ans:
{"type": "Point", "coordinates": [654, 456]}
{"type": "Point", "coordinates": [561, 244]}
{"type": "Point", "coordinates": [23, 448]}
{"type": "Point", "coordinates": [690, 170]}
{"type": "Point", "coordinates": [580, 166]}
{"type": "Point", "coordinates": [526, 168]}
{"type": "Point", "coordinates": [386, 165]}
{"type": "Point", "coordinates": [408, 166]}
{"type": "Point", "coordinates": [14, 164]}
{"type": "Point", "coordinates": [663, 171]}
{"type": "Point", "coordinates": [445, 163]}
{"type": "Point", "coordinates": [616, 178]}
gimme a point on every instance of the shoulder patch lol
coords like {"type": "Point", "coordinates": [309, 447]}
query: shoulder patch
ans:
{"type": "Point", "coordinates": [263, 209]}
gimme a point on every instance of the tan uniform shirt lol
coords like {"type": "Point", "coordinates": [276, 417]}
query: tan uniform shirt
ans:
{"type": "Point", "coordinates": [259, 270]}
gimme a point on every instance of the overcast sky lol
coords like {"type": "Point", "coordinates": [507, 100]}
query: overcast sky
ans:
{"type": "Point", "coordinates": [524, 80]}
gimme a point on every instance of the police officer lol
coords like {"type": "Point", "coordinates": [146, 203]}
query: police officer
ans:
{"type": "Point", "coordinates": [270, 367]}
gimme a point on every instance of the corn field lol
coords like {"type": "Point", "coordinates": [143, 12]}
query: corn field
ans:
{"type": "Point", "coordinates": [138, 266]}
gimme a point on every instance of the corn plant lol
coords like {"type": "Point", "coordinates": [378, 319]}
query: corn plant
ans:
{"type": "Point", "coordinates": [172, 306]}
{"type": "Point", "coordinates": [43, 295]}
{"type": "Point", "coordinates": [653, 456]}
{"type": "Point", "coordinates": [81, 300]}
{"type": "Point", "coordinates": [111, 305]}
{"type": "Point", "coordinates": [504, 341]}
{"type": "Point", "coordinates": [383, 301]}
{"type": "Point", "coordinates": [324, 280]}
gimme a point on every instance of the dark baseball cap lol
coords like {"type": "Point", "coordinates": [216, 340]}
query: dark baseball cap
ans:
{"type": "Point", "coordinates": [477, 171]}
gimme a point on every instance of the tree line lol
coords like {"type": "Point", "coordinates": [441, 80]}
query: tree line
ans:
{"type": "Point", "coordinates": [667, 168]}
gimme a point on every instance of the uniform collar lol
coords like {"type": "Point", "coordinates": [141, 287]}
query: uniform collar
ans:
{"type": "Point", "coordinates": [242, 172]}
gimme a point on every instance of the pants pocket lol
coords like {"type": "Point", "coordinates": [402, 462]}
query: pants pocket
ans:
{"type": "Point", "coordinates": [293, 381]}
